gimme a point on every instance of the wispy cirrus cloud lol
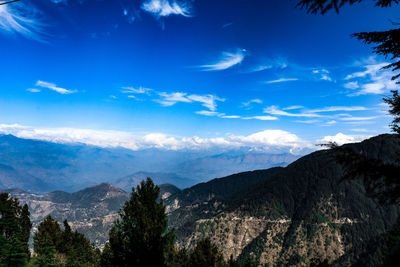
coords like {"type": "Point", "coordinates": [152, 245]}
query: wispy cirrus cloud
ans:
{"type": "Point", "coordinates": [261, 68]}
{"type": "Point", "coordinates": [282, 80]}
{"type": "Point", "coordinates": [274, 110]}
{"type": "Point", "coordinates": [228, 60]}
{"type": "Point", "coordinates": [249, 104]}
{"type": "Point", "coordinates": [308, 121]}
{"type": "Point", "coordinates": [351, 85]}
{"type": "Point", "coordinates": [208, 101]}
{"type": "Point", "coordinates": [338, 108]}
{"type": "Point", "coordinates": [261, 118]}
{"type": "Point", "coordinates": [373, 80]}
{"type": "Point", "coordinates": [278, 63]}
{"type": "Point", "coordinates": [165, 8]}
{"type": "Point", "coordinates": [170, 99]}
{"type": "Point", "coordinates": [293, 107]}
{"type": "Point", "coordinates": [21, 19]}
{"type": "Point", "coordinates": [33, 90]}
{"type": "Point", "coordinates": [133, 90]}
{"type": "Point", "coordinates": [54, 87]}
{"type": "Point", "coordinates": [323, 74]}
{"type": "Point", "coordinates": [225, 116]}
{"type": "Point", "coordinates": [353, 118]}
{"type": "Point", "coordinates": [319, 116]}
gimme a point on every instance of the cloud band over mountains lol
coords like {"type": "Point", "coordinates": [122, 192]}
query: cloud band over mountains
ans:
{"type": "Point", "coordinates": [268, 141]}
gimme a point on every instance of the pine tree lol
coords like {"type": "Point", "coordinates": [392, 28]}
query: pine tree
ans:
{"type": "Point", "coordinates": [394, 104]}
{"type": "Point", "coordinates": [56, 247]}
{"type": "Point", "coordinates": [141, 237]}
{"type": "Point", "coordinates": [15, 227]}
{"type": "Point", "coordinates": [206, 254]}
{"type": "Point", "coordinates": [26, 226]}
{"type": "Point", "coordinates": [46, 242]}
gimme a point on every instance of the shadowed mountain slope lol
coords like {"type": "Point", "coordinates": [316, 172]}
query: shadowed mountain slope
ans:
{"type": "Point", "coordinates": [300, 214]}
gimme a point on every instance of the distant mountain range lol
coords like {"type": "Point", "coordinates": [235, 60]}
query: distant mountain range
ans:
{"type": "Point", "coordinates": [287, 216]}
{"type": "Point", "coordinates": [39, 166]}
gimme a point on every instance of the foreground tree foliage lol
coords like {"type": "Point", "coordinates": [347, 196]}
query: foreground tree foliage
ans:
{"type": "Point", "coordinates": [56, 247]}
{"type": "Point", "coordinates": [5, 2]}
{"type": "Point", "coordinates": [206, 254]}
{"type": "Point", "coordinates": [394, 104]}
{"type": "Point", "coordinates": [141, 237]}
{"type": "Point", "coordinates": [15, 227]}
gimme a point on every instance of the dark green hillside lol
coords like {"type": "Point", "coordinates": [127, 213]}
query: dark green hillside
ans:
{"type": "Point", "coordinates": [221, 187]}
{"type": "Point", "coordinates": [301, 213]}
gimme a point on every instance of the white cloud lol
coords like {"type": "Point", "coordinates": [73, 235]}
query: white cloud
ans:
{"type": "Point", "coordinates": [261, 118]}
{"type": "Point", "coordinates": [208, 113]}
{"type": "Point", "coordinates": [274, 141]}
{"type": "Point", "coordinates": [308, 121]}
{"type": "Point", "coordinates": [326, 77]}
{"type": "Point", "coordinates": [230, 116]}
{"type": "Point", "coordinates": [351, 85]}
{"type": "Point", "coordinates": [54, 87]}
{"type": "Point", "coordinates": [338, 108]}
{"type": "Point", "coordinates": [341, 139]}
{"type": "Point", "coordinates": [249, 103]}
{"type": "Point", "coordinates": [20, 19]}
{"type": "Point", "coordinates": [274, 110]}
{"type": "Point", "coordinates": [351, 118]}
{"type": "Point", "coordinates": [33, 90]}
{"type": "Point", "coordinates": [282, 80]}
{"type": "Point", "coordinates": [372, 88]}
{"type": "Point", "coordinates": [261, 68]}
{"type": "Point", "coordinates": [172, 98]}
{"type": "Point", "coordinates": [293, 107]}
{"type": "Point", "coordinates": [324, 74]}
{"type": "Point", "coordinates": [227, 61]}
{"type": "Point", "coordinates": [165, 8]}
{"type": "Point", "coordinates": [373, 80]}
{"type": "Point", "coordinates": [225, 116]}
{"type": "Point", "coordinates": [132, 90]}
{"type": "Point", "coordinates": [208, 101]}
{"type": "Point", "coordinates": [332, 122]}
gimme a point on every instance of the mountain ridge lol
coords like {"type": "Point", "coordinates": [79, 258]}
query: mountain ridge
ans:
{"type": "Point", "coordinates": [41, 166]}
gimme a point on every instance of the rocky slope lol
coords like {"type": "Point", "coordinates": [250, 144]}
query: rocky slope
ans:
{"type": "Point", "coordinates": [302, 213]}
{"type": "Point", "coordinates": [90, 211]}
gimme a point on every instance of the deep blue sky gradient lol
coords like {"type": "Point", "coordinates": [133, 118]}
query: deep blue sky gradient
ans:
{"type": "Point", "coordinates": [92, 47]}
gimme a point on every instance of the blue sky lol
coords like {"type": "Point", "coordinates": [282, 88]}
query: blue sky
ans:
{"type": "Point", "coordinates": [190, 74]}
